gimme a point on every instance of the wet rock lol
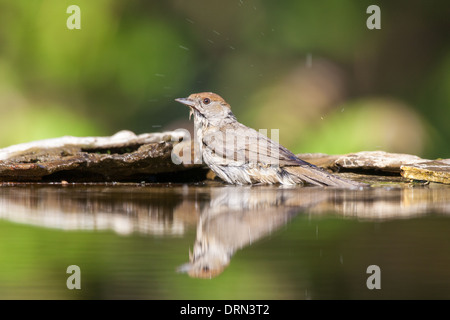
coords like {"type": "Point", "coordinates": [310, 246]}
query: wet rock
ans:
{"type": "Point", "coordinates": [383, 167]}
{"type": "Point", "coordinates": [436, 171]}
{"type": "Point", "coordinates": [363, 161]}
{"type": "Point", "coordinates": [123, 156]}
{"type": "Point", "coordinates": [376, 160]}
{"type": "Point", "coordinates": [126, 156]}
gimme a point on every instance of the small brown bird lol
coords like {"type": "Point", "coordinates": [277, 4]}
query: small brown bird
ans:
{"type": "Point", "coordinates": [241, 155]}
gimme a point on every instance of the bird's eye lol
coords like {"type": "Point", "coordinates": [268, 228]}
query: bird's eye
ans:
{"type": "Point", "coordinates": [206, 101]}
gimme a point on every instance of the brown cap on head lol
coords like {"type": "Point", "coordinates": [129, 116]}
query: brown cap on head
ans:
{"type": "Point", "coordinates": [205, 273]}
{"type": "Point", "coordinates": [210, 95]}
{"type": "Point", "coordinates": [205, 97]}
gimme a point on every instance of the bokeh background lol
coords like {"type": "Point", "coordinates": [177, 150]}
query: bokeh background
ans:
{"type": "Point", "coordinates": [309, 68]}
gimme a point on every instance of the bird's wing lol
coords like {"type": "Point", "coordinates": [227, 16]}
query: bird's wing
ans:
{"type": "Point", "coordinates": [245, 145]}
{"type": "Point", "coordinates": [318, 176]}
{"type": "Point", "coordinates": [290, 163]}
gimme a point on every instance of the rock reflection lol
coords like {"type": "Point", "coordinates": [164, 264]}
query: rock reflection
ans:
{"type": "Point", "coordinates": [387, 203]}
{"type": "Point", "coordinates": [123, 209]}
{"type": "Point", "coordinates": [169, 209]}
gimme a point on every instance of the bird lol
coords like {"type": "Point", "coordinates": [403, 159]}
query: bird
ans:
{"type": "Point", "coordinates": [241, 155]}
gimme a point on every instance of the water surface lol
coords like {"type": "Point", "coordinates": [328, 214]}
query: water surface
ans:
{"type": "Point", "coordinates": [262, 242]}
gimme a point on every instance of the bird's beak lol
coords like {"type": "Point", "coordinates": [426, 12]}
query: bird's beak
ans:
{"type": "Point", "coordinates": [190, 103]}
{"type": "Point", "coordinates": [184, 268]}
{"type": "Point", "coordinates": [186, 101]}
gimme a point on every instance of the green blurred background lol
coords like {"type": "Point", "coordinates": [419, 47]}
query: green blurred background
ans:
{"type": "Point", "coordinates": [309, 68]}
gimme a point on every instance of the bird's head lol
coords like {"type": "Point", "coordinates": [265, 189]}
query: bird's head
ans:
{"type": "Point", "coordinates": [207, 261]}
{"type": "Point", "coordinates": [208, 105]}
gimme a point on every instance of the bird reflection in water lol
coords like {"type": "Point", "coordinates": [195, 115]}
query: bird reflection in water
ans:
{"type": "Point", "coordinates": [238, 216]}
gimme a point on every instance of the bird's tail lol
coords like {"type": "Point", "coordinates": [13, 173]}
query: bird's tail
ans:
{"type": "Point", "coordinates": [311, 174]}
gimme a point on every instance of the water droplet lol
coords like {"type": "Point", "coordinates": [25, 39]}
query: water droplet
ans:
{"type": "Point", "coordinates": [309, 60]}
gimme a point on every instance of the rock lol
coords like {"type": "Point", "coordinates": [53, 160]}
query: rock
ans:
{"type": "Point", "coordinates": [376, 160]}
{"type": "Point", "coordinates": [436, 171]}
{"type": "Point", "coordinates": [126, 156]}
{"type": "Point", "coordinates": [382, 167]}
{"type": "Point", "coordinates": [123, 156]}
{"type": "Point", "coordinates": [122, 139]}
{"type": "Point", "coordinates": [320, 159]}
{"type": "Point", "coordinates": [363, 161]}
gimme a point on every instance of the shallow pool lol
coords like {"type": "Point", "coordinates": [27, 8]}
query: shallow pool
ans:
{"type": "Point", "coordinates": [211, 241]}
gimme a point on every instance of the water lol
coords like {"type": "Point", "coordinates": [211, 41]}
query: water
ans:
{"type": "Point", "coordinates": [133, 241]}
